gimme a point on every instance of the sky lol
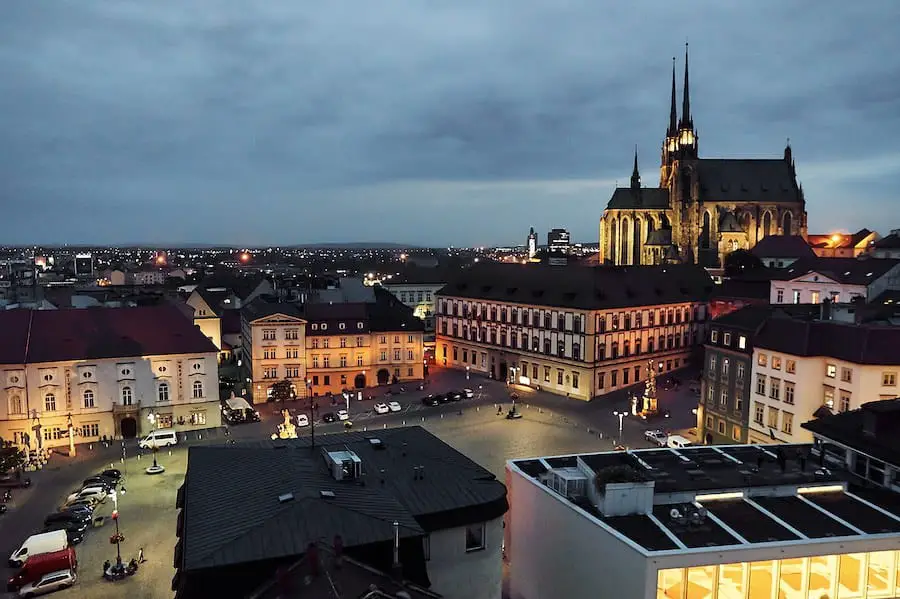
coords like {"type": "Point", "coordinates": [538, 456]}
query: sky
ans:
{"type": "Point", "coordinates": [433, 123]}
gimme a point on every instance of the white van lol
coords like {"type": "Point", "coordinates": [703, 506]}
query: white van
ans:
{"type": "Point", "coordinates": [47, 542]}
{"type": "Point", "coordinates": [159, 438]}
{"type": "Point", "coordinates": [677, 442]}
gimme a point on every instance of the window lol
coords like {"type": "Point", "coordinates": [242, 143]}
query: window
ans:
{"type": "Point", "coordinates": [613, 378]}
{"type": "Point", "coordinates": [738, 399]}
{"type": "Point", "coordinates": [359, 342]}
{"type": "Point", "coordinates": [601, 380]}
{"type": "Point", "coordinates": [796, 297]}
{"type": "Point", "coordinates": [773, 418]}
{"type": "Point", "coordinates": [787, 423]}
{"type": "Point", "coordinates": [725, 369]}
{"type": "Point", "coordinates": [736, 433]}
{"type": "Point", "coordinates": [197, 389]}
{"type": "Point", "coordinates": [127, 396]}
{"type": "Point", "coordinates": [359, 325]}
{"type": "Point", "coordinates": [198, 418]}
{"type": "Point", "coordinates": [383, 338]}
{"type": "Point", "coordinates": [342, 326]}
{"type": "Point", "coordinates": [325, 362]}
{"type": "Point", "coordinates": [397, 355]}
{"type": "Point", "coordinates": [475, 537]}
{"type": "Point", "coordinates": [343, 361]}
{"type": "Point", "coordinates": [830, 370]}
{"type": "Point", "coordinates": [775, 388]}
{"type": "Point", "coordinates": [742, 342]}
{"type": "Point", "coordinates": [726, 339]}
{"type": "Point", "coordinates": [546, 374]}
{"type": "Point", "coordinates": [270, 372]}
{"type": "Point", "coordinates": [712, 364]}
{"type": "Point", "coordinates": [758, 412]}
{"type": "Point", "coordinates": [323, 326]}
{"type": "Point", "coordinates": [315, 344]}
{"type": "Point", "coordinates": [409, 354]}
{"type": "Point", "coordinates": [50, 402]}
{"type": "Point", "coordinates": [162, 392]}
{"type": "Point", "coordinates": [776, 362]}
{"type": "Point", "coordinates": [291, 334]}
{"type": "Point", "coordinates": [760, 384]}
{"type": "Point", "coordinates": [709, 393]}
{"type": "Point", "coordinates": [790, 366]}
{"type": "Point", "coordinates": [721, 427]}
{"type": "Point", "coordinates": [88, 396]}
{"type": "Point", "coordinates": [847, 375]}
{"type": "Point", "coordinates": [723, 399]}
{"type": "Point", "coordinates": [343, 342]}
{"type": "Point", "coordinates": [888, 379]}
{"type": "Point", "coordinates": [740, 372]}
{"type": "Point", "coordinates": [574, 380]}
{"type": "Point", "coordinates": [814, 297]}
{"type": "Point", "coordinates": [359, 360]}
{"type": "Point", "coordinates": [844, 406]}
{"type": "Point", "coordinates": [762, 359]}
{"type": "Point", "coordinates": [325, 343]}
{"type": "Point", "coordinates": [15, 405]}
{"type": "Point", "coordinates": [828, 397]}
{"type": "Point", "coordinates": [269, 334]}
{"type": "Point", "coordinates": [559, 377]}
{"type": "Point", "coordinates": [90, 430]}
{"type": "Point", "coordinates": [788, 393]}
{"type": "Point", "coordinates": [625, 372]}
{"type": "Point", "coordinates": [382, 357]}
{"type": "Point", "coordinates": [269, 354]}
{"type": "Point", "coordinates": [709, 422]}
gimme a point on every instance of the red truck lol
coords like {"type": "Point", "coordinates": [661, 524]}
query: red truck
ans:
{"type": "Point", "coordinates": [43, 563]}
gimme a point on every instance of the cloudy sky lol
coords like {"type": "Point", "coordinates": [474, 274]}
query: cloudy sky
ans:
{"type": "Point", "coordinates": [425, 122]}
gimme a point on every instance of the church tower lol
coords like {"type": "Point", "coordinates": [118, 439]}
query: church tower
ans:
{"type": "Point", "coordinates": [687, 137]}
{"type": "Point", "coordinates": [670, 144]}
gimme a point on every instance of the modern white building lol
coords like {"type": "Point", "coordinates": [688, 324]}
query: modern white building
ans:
{"type": "Point", "coordinates": [803, 369]}
{"type": "Point", "coordinates": [103, 373]}
{"type": "Point", "coordinates": [723, 522]}
{"type": "Point", "coordinates": [811, 281]}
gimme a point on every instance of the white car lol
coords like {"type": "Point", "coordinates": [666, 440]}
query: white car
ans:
{"type": "Point", "coordinates": [658, 437]}
{"type": "Point", "coordinates": [48, 583]}
{"type": "Point", "coordinates": [95, 494]}
{"type": "Point", "coordinates": [343, 415]}
{"type": "Point", "coordinates": [302, 420]}
{"type": "Point", "coordinates": [381, 408]}
{"type": "Point", "coordinates": [468, 393]}
{"type": "Point", "coordinates": [394, 406]}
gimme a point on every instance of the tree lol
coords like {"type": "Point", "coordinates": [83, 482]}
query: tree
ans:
{"type": "Point", "coordinates": [741, 261]}
{"type": "Point", "coordinates": [281, 391]}
{"type": "Point", "coordinates": [11, 457]}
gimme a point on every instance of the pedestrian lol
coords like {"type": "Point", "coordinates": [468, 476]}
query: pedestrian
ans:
{"type": "Point", "coordinates": [141, 559]}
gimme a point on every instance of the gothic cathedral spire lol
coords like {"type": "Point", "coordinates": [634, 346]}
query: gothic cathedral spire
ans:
{"type": "Point", "coordinates": [673, 113]}
{"type": "Point", "coordinates": [687, 137]}
{"type": "Point", "coordinates": [686, 121]}
{"type": "Point", "coordinates": [635, 175]}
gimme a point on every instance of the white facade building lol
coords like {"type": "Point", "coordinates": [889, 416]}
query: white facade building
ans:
{"type": "Point", "coordinates": [725, 522]}
{"type": "Point", "coordinates": [835, 279]}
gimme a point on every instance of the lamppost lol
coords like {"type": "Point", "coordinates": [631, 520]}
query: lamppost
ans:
{"type": "Point", "coordinates": [71, 427]}
{"type": "Point", "coordinates": [36, 428]}
{"type": "Point", "coordinates": [621, 416]}
{"type": "Point", "coordinates": [154, 424]}
{"type": "Point", "coordinates": [467, 373]}
{"type": "Point", "coordinates": [118, 539]}
{"type": "Point", "coordinates": [312, 415]}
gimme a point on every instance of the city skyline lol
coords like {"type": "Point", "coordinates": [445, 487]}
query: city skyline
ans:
{"type": "Point", "coordinates": [454, 125]}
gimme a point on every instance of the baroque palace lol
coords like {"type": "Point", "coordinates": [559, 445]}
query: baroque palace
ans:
{"type": "Point", "coordinates": [703, 208]}
{"type": "Point", "coordinates": [579, 331]}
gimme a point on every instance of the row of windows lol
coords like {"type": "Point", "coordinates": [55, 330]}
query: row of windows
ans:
{"type": "Point", "coordinates": [523, 316]}
{"type": "Point", "coordinates": [326, 378]}
{"type": "Point", "coordinates": [626, 378]}
{"type": "Point", "coordinates": [88, 397]}
{"type": "Point", "coordinates": [360, 341]}
{"type": "Point", "coordinates": [727, 339]}
{"type": "Point", "coordinates": [775, 388]}
{"type": "Point", "coordinates": [513, 340]}
{"type": "Point", "coordinates": [663, 343]}
{"type": "Point", "coordinates": [414, 296]}
{"type": "Point", "coordinates": [759, 417]}
{"type": "Point", "coordinates": [714, 372]}
{"type": "Point", "coordinates": [738, 404]}
{"type": "Point", "coordinates": [721, 427]}
{"type": "Point", "coordinates": [888, 378]}
{"type": "Point", "coordinates": [659, 315]}
{"type": "Point", "coordinates": [562, 378]}
{"type": "Point", "coordinates": [815, 296]}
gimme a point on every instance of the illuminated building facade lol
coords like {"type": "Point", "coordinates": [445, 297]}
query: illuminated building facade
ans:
{"type": "Point", "coordinates": [840, 245]}
{"type": "Point", "coordinates": [724, 522]}
{"type": "Point", "coordinates": [812, 281]}
{"type": "Point", "coordinates": [578, 331]}
{"type": "Point", "coordinates": [703, 208]}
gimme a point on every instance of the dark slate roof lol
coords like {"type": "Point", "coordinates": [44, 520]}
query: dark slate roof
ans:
{"type": "Point", "coordinates": [783, 246]}
{"type": "Point", "coordinates": [215, 299]}
{"type": "Point", "coordinates": [750, 180]}
{"type": "Point", "coordinates": [582, 287]}
{"type": "Point", "coordinates": [624, 198]}
{"type": "Point", "coordinates": [847, 428]}
{"type": "Point", "coordinates": [262, 307]}
{"type": "Point", "coordinates": [888, 242]}
{"type": "Point", "coordinates": [97, 333]}
{"type": "Point", "coordinates": [390, 314]}
{"type": "Point", "coordinates": [743, 289]}
{"type": "Point", "coordinates": [232, 514]}
{"type": "Point", "coordinates": [852, 271]}
{"type": "Point", "coordinates": [422, 275]}
{"type": "Point", "coordinates": [751, 318]}
{"type": "Point", "coordinates": [242, 286]}
{"type": "Point", "coordinates": [860, 344]}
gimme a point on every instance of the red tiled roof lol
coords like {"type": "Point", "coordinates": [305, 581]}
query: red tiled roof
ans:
{"type": "Point", "coordinates": [96, 333]}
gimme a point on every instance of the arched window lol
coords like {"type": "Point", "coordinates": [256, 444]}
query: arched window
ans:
{"type": "Point", "coordinates": [613, 240]}
{"type": "Point", "coordinates": [636, 249]}
{"type": "Point", "coordinates": [88, 397]}
{"type": "Point", "coordinates": [50, 402]}
{"type": "Point", "coordinates": [705, 233]}
{"type": "Point", "coordinates": [197, 388]}
{"type": "Point", "coordinates": [767, 224]}
{"type": "Point", "coordinates": [787, 223]}
{"type": "Point", "coordinates": [624, 254]}
{"type": "Point", "coordinates": [127, 396]}
{"type": "Point", "coordinates": [15, 405]}
{"type": "Point", "coordinates": [162, 393]}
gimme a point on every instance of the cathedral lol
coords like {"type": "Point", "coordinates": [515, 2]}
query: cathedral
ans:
{"type": "Point", "coordinates": [704, 208]}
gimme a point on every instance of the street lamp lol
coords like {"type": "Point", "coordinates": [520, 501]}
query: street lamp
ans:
{"type": "Point", "coordinates": [621, 416]}
{"type": "Point", "coordinates": [154, 424]}
{"type": "Point", "coordinates": [312, 415]}
{"type": "Point", "coordinates": [117, 539]}
{"type": "Point", "coordinates": [467, 373]}
{"type": "Point", "coordinates": [71, 427]}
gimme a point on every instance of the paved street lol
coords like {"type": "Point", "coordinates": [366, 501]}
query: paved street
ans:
{"type": "Point", "coordinates": [550, 425]}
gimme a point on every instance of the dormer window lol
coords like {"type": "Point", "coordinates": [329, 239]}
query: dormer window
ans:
{"type": "Point", "coordinates": [314, 326]}
{"type": "Point", "coordinates": [324, 326]}
{"type": "Point", "coordinates": [359, 325]}
{"type": "Point", "coordinates": [342, 326]}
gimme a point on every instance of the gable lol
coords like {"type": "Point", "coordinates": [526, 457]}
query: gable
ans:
{"type": "Point", "coordinates": [278, 318]}
{"type": "Point", "coordinates": [813, 277]}
{"type": "Point", "coordinates": [201, 308]}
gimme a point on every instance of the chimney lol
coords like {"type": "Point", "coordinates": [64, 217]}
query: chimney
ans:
{"type": "Point", "coordinates": [396, 568]}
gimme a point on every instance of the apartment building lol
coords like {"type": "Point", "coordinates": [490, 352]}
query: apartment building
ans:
{"type": "Point", "coordinates": [325, 347]}
{"type": "Point", "coordinates": [103, 373]}
{"type": "Point", "coordinates": [804, 369]}
{"type": "Point", "coordinates": [726, 522]}
{"type": "Point", "coordinates": [578, 331]}
{"type": "Point", "coordinates": [811, 281]}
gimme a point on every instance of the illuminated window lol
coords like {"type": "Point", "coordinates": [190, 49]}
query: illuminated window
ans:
{"type": "Point", "coordinates": [790, 367]}
{"type": "Point", "coordinates": [762, 359]}
{"type": "Point", "coordinates": [742, 342]}
{"type": "Point", "coordinates": [830, 371]}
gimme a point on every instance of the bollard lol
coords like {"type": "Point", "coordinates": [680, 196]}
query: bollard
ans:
{"type": "Point", "coordinates": [600, 435]}
{"type": "Point", "coordinates": [442, 415]}
{"type": "Point", "coordinates": [423, 419]}
{"type": "Point", "coordinates": [589, 430]}
{"type": "Point", "coordinates": [477, 408]}
{"type": "Point", "coordinates": [139, 457]}
{"type": "Point", "coordinates": [384, 426]}
{"type": "Point", "coordinates": [122, 460]}
{"type": "Point", "coordinates": [170, 452]}
{"type": "Point", "coordinates": [365, 428]}
{"type": "Point", "coordinates": [404, 423]}
{"type": "Point", "coordinates": [91, 446]}
{"type": "Point", "coordinates": [540, 410]}
{"type": "Point", "coordinates": [199, 436]}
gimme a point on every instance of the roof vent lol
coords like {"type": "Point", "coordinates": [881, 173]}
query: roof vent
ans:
{"type": "Point", "coordinates": [284, 498]}
{"type": "Point", "coordinates": [326, 494]}
{"type": "Point", "coordinates": [376, 443]}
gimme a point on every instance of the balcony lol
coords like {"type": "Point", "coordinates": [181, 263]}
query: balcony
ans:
{"type": "Point", "coordinates": [119, 408]}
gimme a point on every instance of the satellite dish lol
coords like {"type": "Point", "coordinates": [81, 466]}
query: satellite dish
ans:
{"type": "Point", "coordinates": [674, 514]}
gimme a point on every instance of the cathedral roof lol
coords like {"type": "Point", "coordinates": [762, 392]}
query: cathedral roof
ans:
{"type": "Point", "coordinates": [625, 198]}
{"type": "Point", "coordinates": [748, 180]}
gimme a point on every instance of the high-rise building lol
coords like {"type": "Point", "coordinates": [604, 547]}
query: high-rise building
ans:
{"type": "Point", "coordinates": [558, 247]}
{"type": "Point", "coordinates": [532, 243]}
{"type": "Point", "coordinates": [84, 265]}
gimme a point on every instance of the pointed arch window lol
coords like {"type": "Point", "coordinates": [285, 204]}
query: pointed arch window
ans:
{"type": "Point", "coordinates": [767, 224]}
{"type": "Point", "coordinates": [787, 223]}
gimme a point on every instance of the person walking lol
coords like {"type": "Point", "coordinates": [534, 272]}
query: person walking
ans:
{"type": "Point", "coordinates": [141, 559]}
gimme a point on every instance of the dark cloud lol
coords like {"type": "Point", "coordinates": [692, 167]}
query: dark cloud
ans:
{"type": "Point", "coordinates": [440, 122]}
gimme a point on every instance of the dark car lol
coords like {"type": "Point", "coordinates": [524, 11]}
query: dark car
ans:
{"type": "Point", "coordinates": [112, 473]}
{"type": "Point", "coordinates": [14, 482]}
{"type": "Point", "coordinates": [455, 395]}
{"type": "Point", "coordinates": [443, 397]}
{"type": "Point", "coordinates": [79, 510]}
{"type": "Point", "coordinates": [430, 400]}
{"type": "Point", "coordinates": [74, 535]}
{"type": "Point", "coordinates": [329, 417]}
{"type": "Point", "coordinates": [67, 519]}
{"type": "Point", "coordinates": [99, 481]}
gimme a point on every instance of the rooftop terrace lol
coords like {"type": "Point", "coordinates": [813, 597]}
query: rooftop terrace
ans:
{"type": "Point", "coordinates": [715, 497]}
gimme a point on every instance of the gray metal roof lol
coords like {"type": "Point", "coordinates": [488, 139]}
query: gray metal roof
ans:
{"type": "Point", "coordinates": [747, 180]}
{"type": "Point", "coordinates": [625, 198]}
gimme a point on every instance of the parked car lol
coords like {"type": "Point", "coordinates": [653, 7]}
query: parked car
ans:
{"type": "Point", "coordinates": [677, 441]}
{"type": "Point", "coordinates": [381, 408]}
{"type": "Point", "coordinates": [13, 482]}
{"type": "Point", "coordinates": [656, 436]}
{"type": "Point", "coordinates": [82, 511]}
{"type": "Point", "coordinates": [302, 420]}
{"type": "Point", "coordinates": [100, 481]}
{"type": "Point", "coordinates": [430, 400]}
{"type": "Point", "coordinates": [84, 502]}
{"type": "Point", "coordinates": [455, 395]}
{"type": "Point", "coordinates": [113, 473]}
{"type": "Point", "coordinates": [40, 565]}
{"type": "Point", "coordinates": [469, 393]}
{"type": "Point", "coordinates": [48, 583]}
{"type": "Point", "coordinates": [343, 415]}
{"type": "Point", "coordinates": [98, 493]}
{"type": "Point", "coordinates": [329, 417]}
{"type": "Point", "coordinates": [442, 397]}
{"type": "Point", "coordinates": [68, 517]}
{"type": "Point", "coordinates": [159, 438]}
{"type": "Point", "coordinates": [393, 406]}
